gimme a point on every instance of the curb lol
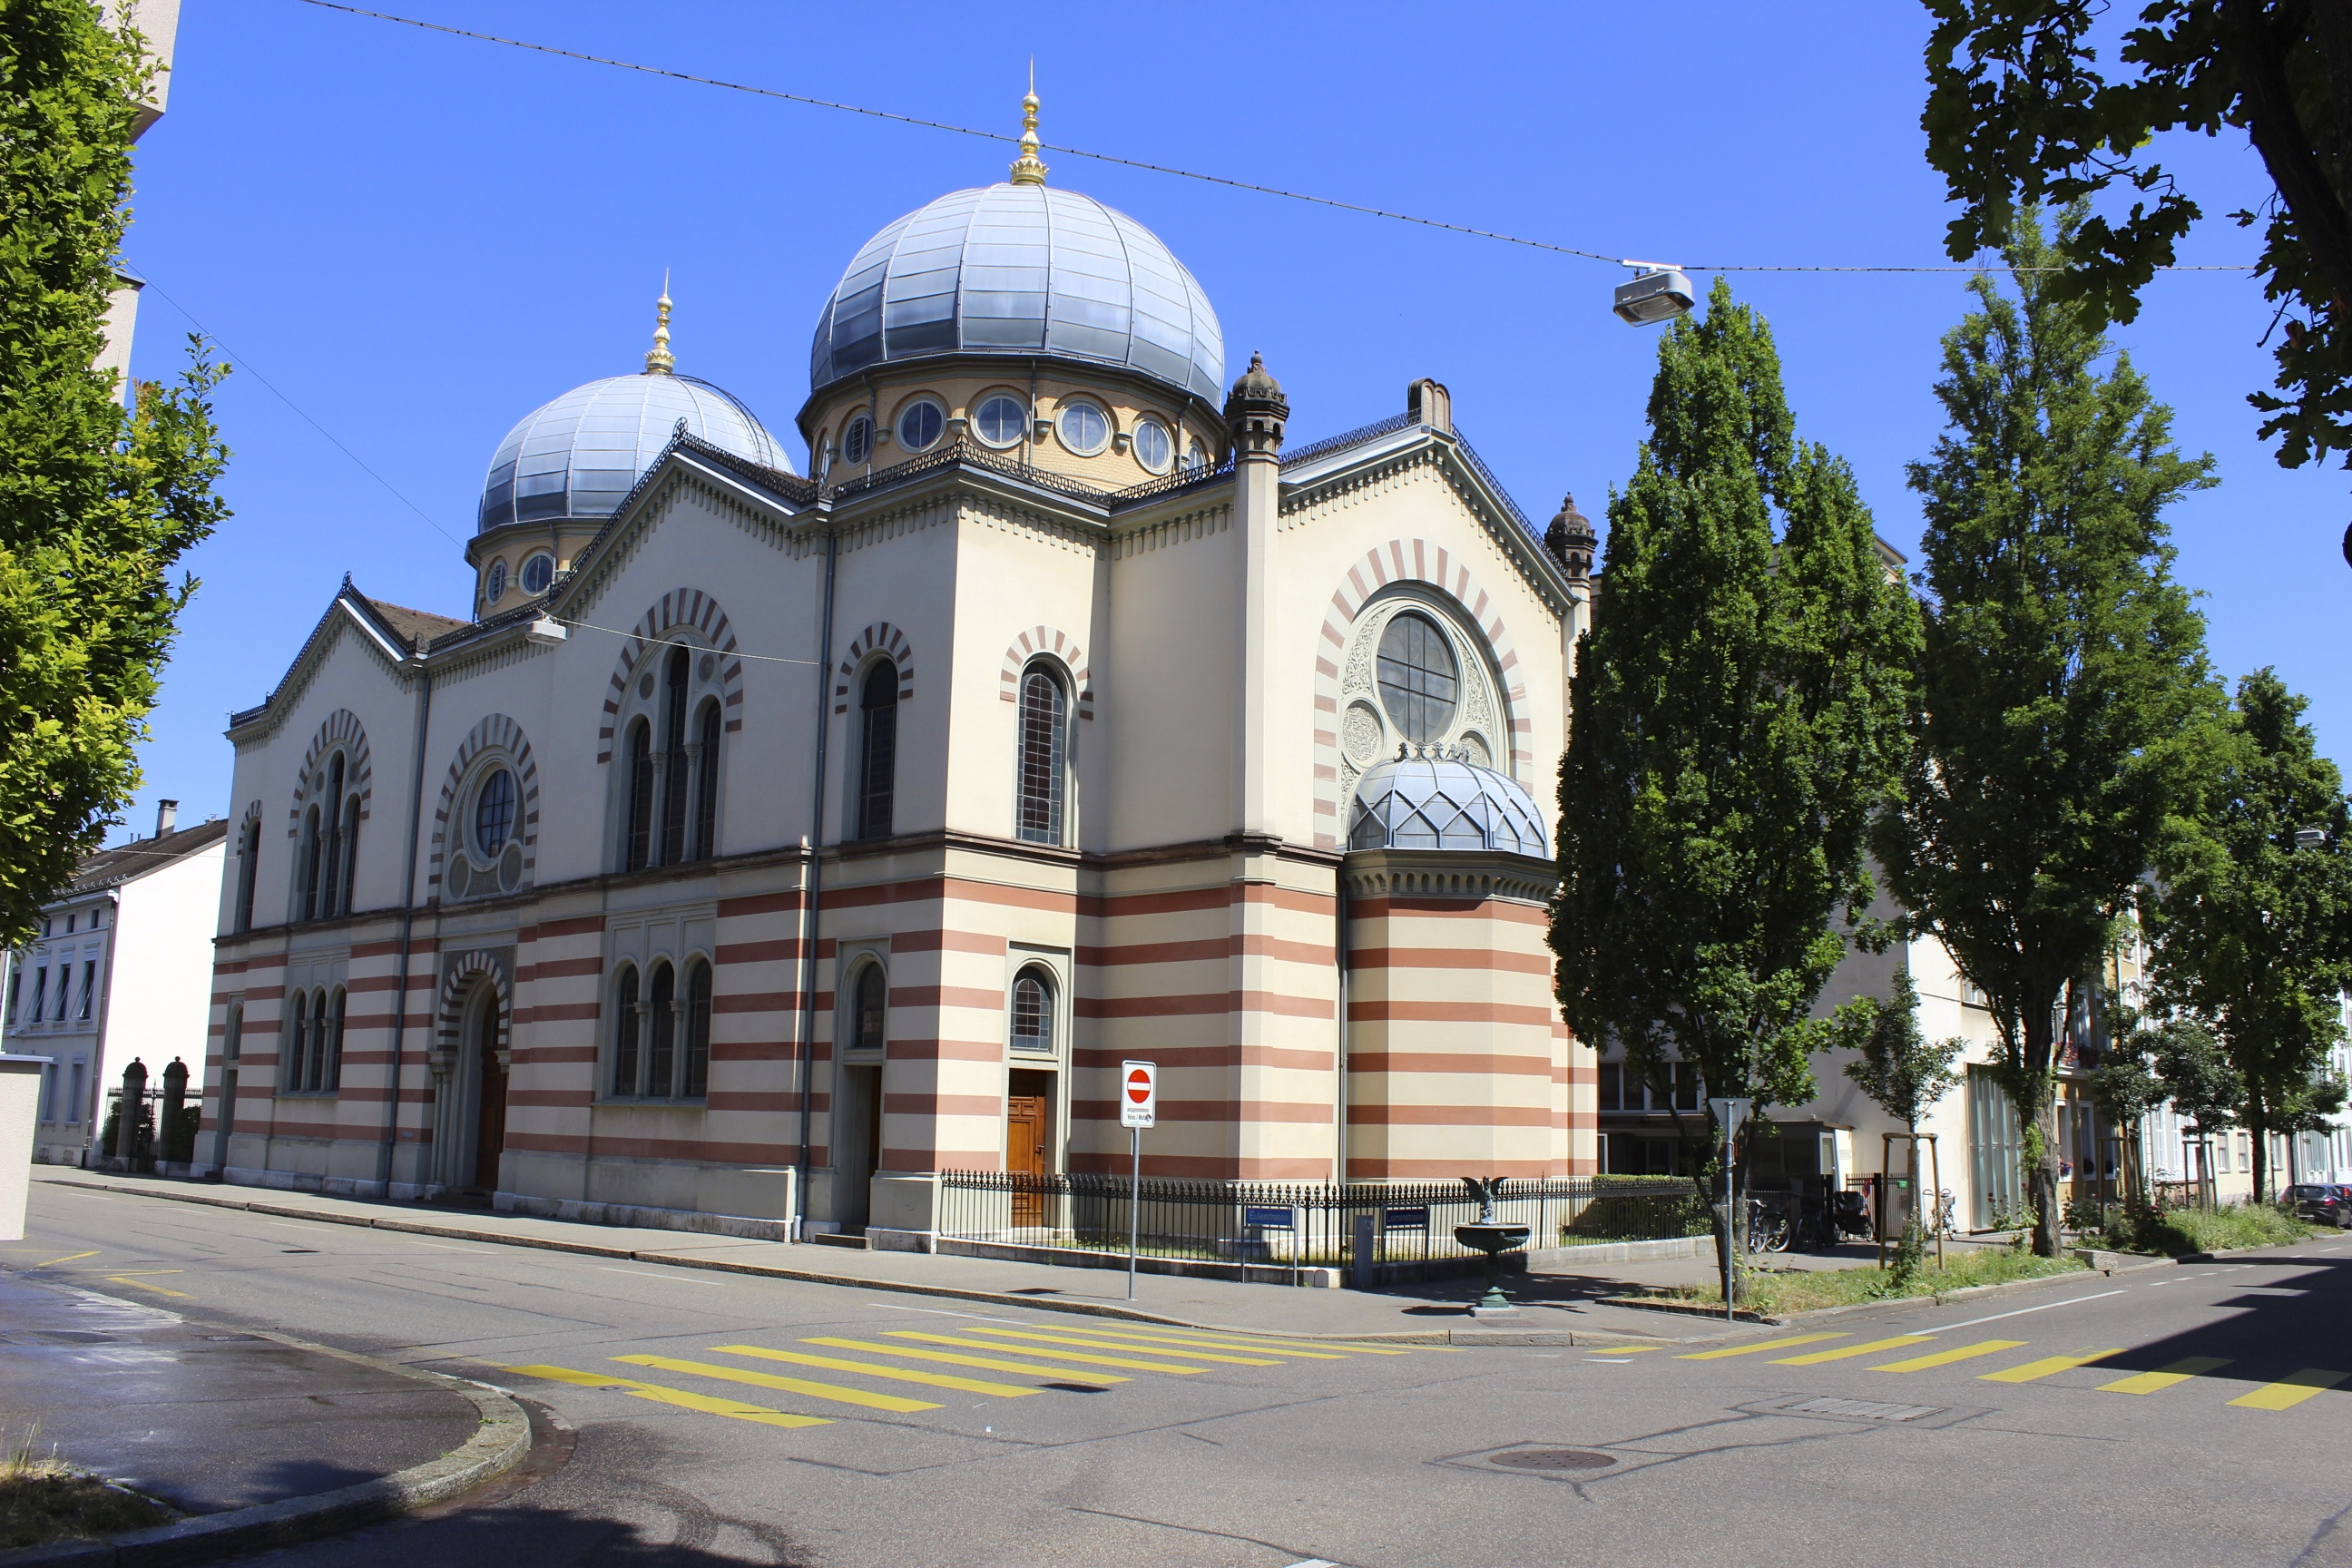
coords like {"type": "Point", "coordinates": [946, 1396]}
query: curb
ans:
{"type": "Point", "coordinates": [1437, 1336]}
{"type": "Point", "coordinates": [1965, 1293]}
{"type": "Point", "coordinates": [502, 1443]}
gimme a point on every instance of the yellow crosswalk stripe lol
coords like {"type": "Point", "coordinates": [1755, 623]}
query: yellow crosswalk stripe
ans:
{"type": "Point", "coordinates": [872, 1369]}
{"type": "Point", "coordinates": [1946, 1358]}
{"type": "Point", "coordinates": [2165, 1377]}
{"type": "Point", "coordinates": [734, 1408]}
{"type": "Point", "coordinates": [836, 1392]}
{"type": "Point", "coordinates": [2289, 1392]}
{"type": "Point", "coordinates": [2033, 1369]}
{"type": "Point", "coordinates": [1127, 1364]}
{"type": "Point", "coordinates": [1624, 1350]}
{"type": "Point", "coordinates": [1115, 1345]}
{"type": "Point", "coordinates": [1755, 1349]}
{"type": "Point", "coordinates": [1321, 1350]}
{"type": "Point", "coordinates": [987, 1363]}
{"type": "Point", "coordinates": [1814, 1358]}
{"type": "Point", "coordinates": [1150, 1340]}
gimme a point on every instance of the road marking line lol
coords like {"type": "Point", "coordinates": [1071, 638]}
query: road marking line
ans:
{"type": "Point", "coordinates": [1946, 1358]}
{"type": "Point", "coordinates": [1814, 1358]}
{"type": "Point", "coordinates": [69, 1257]}
{"type": "Point", "coordinates": [1150, 1340]}
{"type": "Point", "coordinates": [941, 1312]}
{"type": "Point", "coordinates": [1115, 1345]}
{"type": "Point", "coordinates": [1323, 1349]}
{"type": "Point", "coordinates": [1631, 1349]}
{"type": "Point", "coordinates": [2045, 1307]}
{"type": "Point", "coordinates": [143, 1285]}
{"type": "Point", "coordinates": [2289, 1392]}
{"type": "Point", "coordinates": [989, 1363]}
{"type": "Point", "coordinates": [2033, 1369]}
{"type": "Point", "coordinates": [837, 1392]}
{"type": "Point", "coordinates": [1130, 1366]}
{"type": "Point", "coordinates": [2165, 1377]}
{"type": "Point", "coordinates": [873, 1369]}
{"type": "Point", "coordinates": [1754, 1349]}
{"type": "Point", "coordinates": [648, 1274]}
{"type": "Point", "coordinates": [705, 1403]}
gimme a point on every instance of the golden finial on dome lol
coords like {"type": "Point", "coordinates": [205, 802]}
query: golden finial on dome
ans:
{"type": "Point", "coordinates": [1026, 169]}
{"type": "Point", "coordinates": [658, 359]}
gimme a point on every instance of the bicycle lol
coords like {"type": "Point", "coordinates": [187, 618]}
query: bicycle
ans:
{"type": "Point", "coordinates": [1767, 1226]}
{"type": "Point", "coordinates": [1947, 1222]}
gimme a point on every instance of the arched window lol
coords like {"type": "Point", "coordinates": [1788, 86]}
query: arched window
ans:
{"type": "Point", "coordinates": [306, 901]}
{"type": "Point", "coordinates": [878, 750]}
{"type": "Point", "coordinates": [636, 839]}
{"type": "Point", "coordinates": [661, 1059]}
{"type": "Point", "coordinates": [1033, 1010]}
{"type": "Point", "coordinates": [705, 802]}
{"type": "Point", "coordinates": [248, 862]}
{"type": "Point", "coordinates": [298, 1039]}
{"type": "Point", "coordinates": [331, 898]}
{"type": "Point", "coordinates": [1419, 679]}
{"type": "Point", "coordinates": [674, 761]}
{"type": "Point", "coordinates": [351, 866]}
{"type": "Point", "coordinates": [628, 1026]}
{"type": "Point", "coordinates": [332, 1078]}
{"type": "Point", "coordinates": [870, 1011]}
{"type": "Point", "coordinates": [320, 1042]}
{"type": "Point", "coordinates": [1040, 818]}
{"type": "Point", "coordinates": [698, 1033]}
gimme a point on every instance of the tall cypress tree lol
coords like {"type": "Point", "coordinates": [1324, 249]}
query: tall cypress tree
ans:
{"type": "Point", "coordinates": [97, 502]}
{"type": "Point", "coordinates": [2066, 689]}
{"type": "Point", "coordinates": [2254, 929]}
{"type": "Point", "coordinates": [1739, 712]}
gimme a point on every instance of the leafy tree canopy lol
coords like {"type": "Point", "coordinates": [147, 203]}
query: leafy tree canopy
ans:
{"type": "Point", "coordinates": [97, 503]}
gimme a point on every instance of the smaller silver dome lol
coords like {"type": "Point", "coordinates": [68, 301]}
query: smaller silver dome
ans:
{"type": "Point", "coordinates": [1440, 802]}
{"type": "Point", "coordinates": [581, 455]}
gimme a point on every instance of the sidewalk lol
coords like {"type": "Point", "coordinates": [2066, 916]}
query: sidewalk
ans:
{"type": "Point", "coordinates": [205, 1419]}
{"type": "Point", "coordinates": [1553, 1306]}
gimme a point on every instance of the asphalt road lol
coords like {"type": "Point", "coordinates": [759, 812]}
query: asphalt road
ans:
{"type": "Point", "coordinates": [2195, 1416]}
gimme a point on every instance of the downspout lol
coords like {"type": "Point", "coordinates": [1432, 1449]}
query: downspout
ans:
{"type": "Point", "coordinates": [407, 926]}
{"type": "Point", "coordinates": [815, 842]}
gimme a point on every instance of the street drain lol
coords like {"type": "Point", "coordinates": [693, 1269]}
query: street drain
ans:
{"type": "Point", "coordinates": [1552, 1459]}
{"type": "Point", "coordinates": [1860, 1410]}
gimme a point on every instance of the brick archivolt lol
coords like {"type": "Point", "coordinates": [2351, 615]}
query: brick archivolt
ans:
{"type": "Point", "coordinates": [881, 637]}
{"type": "Point", "coordinates": [690, 610]}
{"type": "Point", "coordinates": [497, 732]}
{"type": "Point", "coordinates": [486, 964]}
{"type": "Point", "coordinates": [342, 732]}
{"type": "Point", "coordinates": [1049, 643]}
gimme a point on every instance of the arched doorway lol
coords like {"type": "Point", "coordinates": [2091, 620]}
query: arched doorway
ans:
{"type": "Point", "coordinates": [482, 1063]}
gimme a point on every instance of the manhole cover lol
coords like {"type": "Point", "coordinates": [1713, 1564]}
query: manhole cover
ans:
{"type": "Point", "coordinates": [1552, 1459]}
{"type": "Point", "coordinates": [1862, 1410]}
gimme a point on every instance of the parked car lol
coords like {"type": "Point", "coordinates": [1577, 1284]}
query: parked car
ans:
{"type": "Point", "coordinates": [2328, 1202]}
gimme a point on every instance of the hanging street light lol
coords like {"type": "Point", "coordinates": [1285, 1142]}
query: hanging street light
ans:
{"type": "Point", "coordinates": [1660, 294]}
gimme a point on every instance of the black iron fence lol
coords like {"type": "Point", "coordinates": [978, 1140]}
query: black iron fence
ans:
{"type": "Point", "coordinates": [1312, 1224]}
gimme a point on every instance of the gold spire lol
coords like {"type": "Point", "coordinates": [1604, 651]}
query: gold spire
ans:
{"type": "Point", "coordinates": [658, 359]}
{"type": "Point", "coordinates": [1026, 169]}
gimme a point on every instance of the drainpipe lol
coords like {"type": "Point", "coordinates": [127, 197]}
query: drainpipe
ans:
{"type": "Point", "coordinates": [815, 842]}
{"type": "Point", "coordinates": [407, 926]}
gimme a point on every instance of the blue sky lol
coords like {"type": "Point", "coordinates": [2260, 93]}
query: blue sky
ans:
{"type": "Point", "coordinates": [418, 238]}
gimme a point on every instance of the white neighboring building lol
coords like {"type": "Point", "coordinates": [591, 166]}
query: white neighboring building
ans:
{"type": "Point", "coordinates": [2327, 1156]}
{"type": "Point", "coordinates": [89, 1003]}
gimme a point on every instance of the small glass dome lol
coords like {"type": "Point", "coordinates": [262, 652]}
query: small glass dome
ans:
{"type": "Point", "coordinates": [581, 455]}
{"type": "Point", "coordinates": [1021, 269]}
{"type": "Point", "coordinates": [1438, 800]}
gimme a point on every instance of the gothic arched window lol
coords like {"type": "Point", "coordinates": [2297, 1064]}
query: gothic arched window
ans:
{"type": "Point", "coordinates": [878, 750]}
{"type": "Point", "coordinates": [674, 759]}
{"type": "Point", "coordinates": [661, 1056]}
{"type": "Point", "coordinates": [1039, 819]}
{"type": "Point", "coordinates": [705, 802]}
{"type": "Point", "coordinates": [698, 1033]}
{"type": "Point", "coordinates": [870, 1012]}
{"type": "Point", "coordinates": [627, 1030]}
{"type": "Point", "coordinates": [636, 836]}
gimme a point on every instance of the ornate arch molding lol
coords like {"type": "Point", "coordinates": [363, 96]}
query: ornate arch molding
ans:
{"type": "Point", "coordinates": [1046, 640]}
{"type": "Point", "coordinates": [343, 732]}
{"type": "Point", "coordinates": [689, 607]}
{"type": "Point", "coordinates": [880, 637]}
{"type": "Point", "coordinates": [1403, 561]}
{"type": "Point", "coordinates": [500, 732]}
{"type": "Point", "coordinates": [456, 985]}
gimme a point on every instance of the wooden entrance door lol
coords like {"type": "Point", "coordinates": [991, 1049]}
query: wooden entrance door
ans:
{"type": "Point", "coordinates": [1028, 1111]}
{"type": "Point", "coordinates": [491, 1103]}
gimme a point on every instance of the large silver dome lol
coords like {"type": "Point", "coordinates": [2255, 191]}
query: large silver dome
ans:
{"type": "Point", "coordinates": [581, 455]}
{"type": "Point", "coordinates": [1020, 269]}
{"type": "Point", "coordinates": [1438, 802]}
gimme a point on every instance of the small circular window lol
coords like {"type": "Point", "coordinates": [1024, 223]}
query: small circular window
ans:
{"type": "Point", "coordinates": [999, 420]}
{"type": "Point", "coordinates": [1418, 677]}
{"type": "Point", "coordinates": [538, 572]}
{"type": "Point", "coordinates": [920, 426]}
{"type": "Point", "coordinates": [1152, 446]}
{"type": "Point", "coordinates": [494, 814]}
{"type": "Point", "coordinates": [1085, 428]}
{"type": "Point", "coordinates": [857, 440]}
{"type": "Point", "coordinates": [1194, 457]}
{"type": "Point", "coordinates": [494, 587]}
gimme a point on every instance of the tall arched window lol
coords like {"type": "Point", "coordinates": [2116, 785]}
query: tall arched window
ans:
{"type": "Point", "coordinates": [698, 1033]}
{"type": "Point", "coordinates": [628, 1025]}
{"type": "Point", "coordinates": [1032, 1010]}
{"type": "Point", "coordinates": [661, 1057]}
{"type": "Point", "coordinates": [332, 854]}
{"type": "Point", "coordinates": [674, 759]}
{"type": "Point", "coordinates": [249, 862]}
{"type": "Point", "coordinates": [331, 1079]}
{"type": "Point", "coordinates": [637, 839]}
{"type": "Point", "coordinates": [306, 900]}
{"type": "Point", "coordinates": [706, 803]}
{"type": "Point", "coordinates": [320, 1041]}
{"type": "Point", "coordinates": [1040, 817]}
{"type": "Point", "coordinates": [870, 1010]}
{"type": "Point", "coordinates": [878, 750]}
{"type": "Point", "coordinates": [297, 1036]}
{"type": "Point", "coordinates": [351, 856]}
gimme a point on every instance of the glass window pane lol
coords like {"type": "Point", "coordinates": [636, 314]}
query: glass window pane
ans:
{"type": "Point", "coordinates": [1418, 677]}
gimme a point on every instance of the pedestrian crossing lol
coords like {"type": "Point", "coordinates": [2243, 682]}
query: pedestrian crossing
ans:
{"type": "Point", "coordinates": [2282, 1394]}
{"type": "Point", "coordinates": [1085, 1358]}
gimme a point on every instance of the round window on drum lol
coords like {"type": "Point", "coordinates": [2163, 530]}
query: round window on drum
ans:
{"type": "Point", "coordinates": [1418, 677]}
{"type": "Point", "coordinates": [1152, 446]}
{"type": "Point", "coordinates": [920, 426]}
{"type": "Point", "coordinates": [1085, 428]}
{"type": "Point", "coordinates": [494, 814]}
{"type": "Point", "coordinates": [999, 420]}
{"type": "Point", "coordinates": [494, 585]}
{"type": "Point", "coordinates": [857, 440]}
{"type": "Point", "coordinates": [538, 572]}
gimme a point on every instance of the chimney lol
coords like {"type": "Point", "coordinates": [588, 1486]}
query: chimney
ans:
{"type": "Point", "coordinates": [1429, 403]}
{"type": "Point", "coordinates": [167, 812]}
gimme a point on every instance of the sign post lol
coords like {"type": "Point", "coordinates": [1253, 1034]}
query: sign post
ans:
{"type": "Point", "coordinates": [1139, 1108]}
{"type": "Point", "coordinates": [1728, 1115]}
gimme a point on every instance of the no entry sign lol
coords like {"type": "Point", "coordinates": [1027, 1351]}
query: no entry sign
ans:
{"type": "Point", "coordinates": [1139, 1094]}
